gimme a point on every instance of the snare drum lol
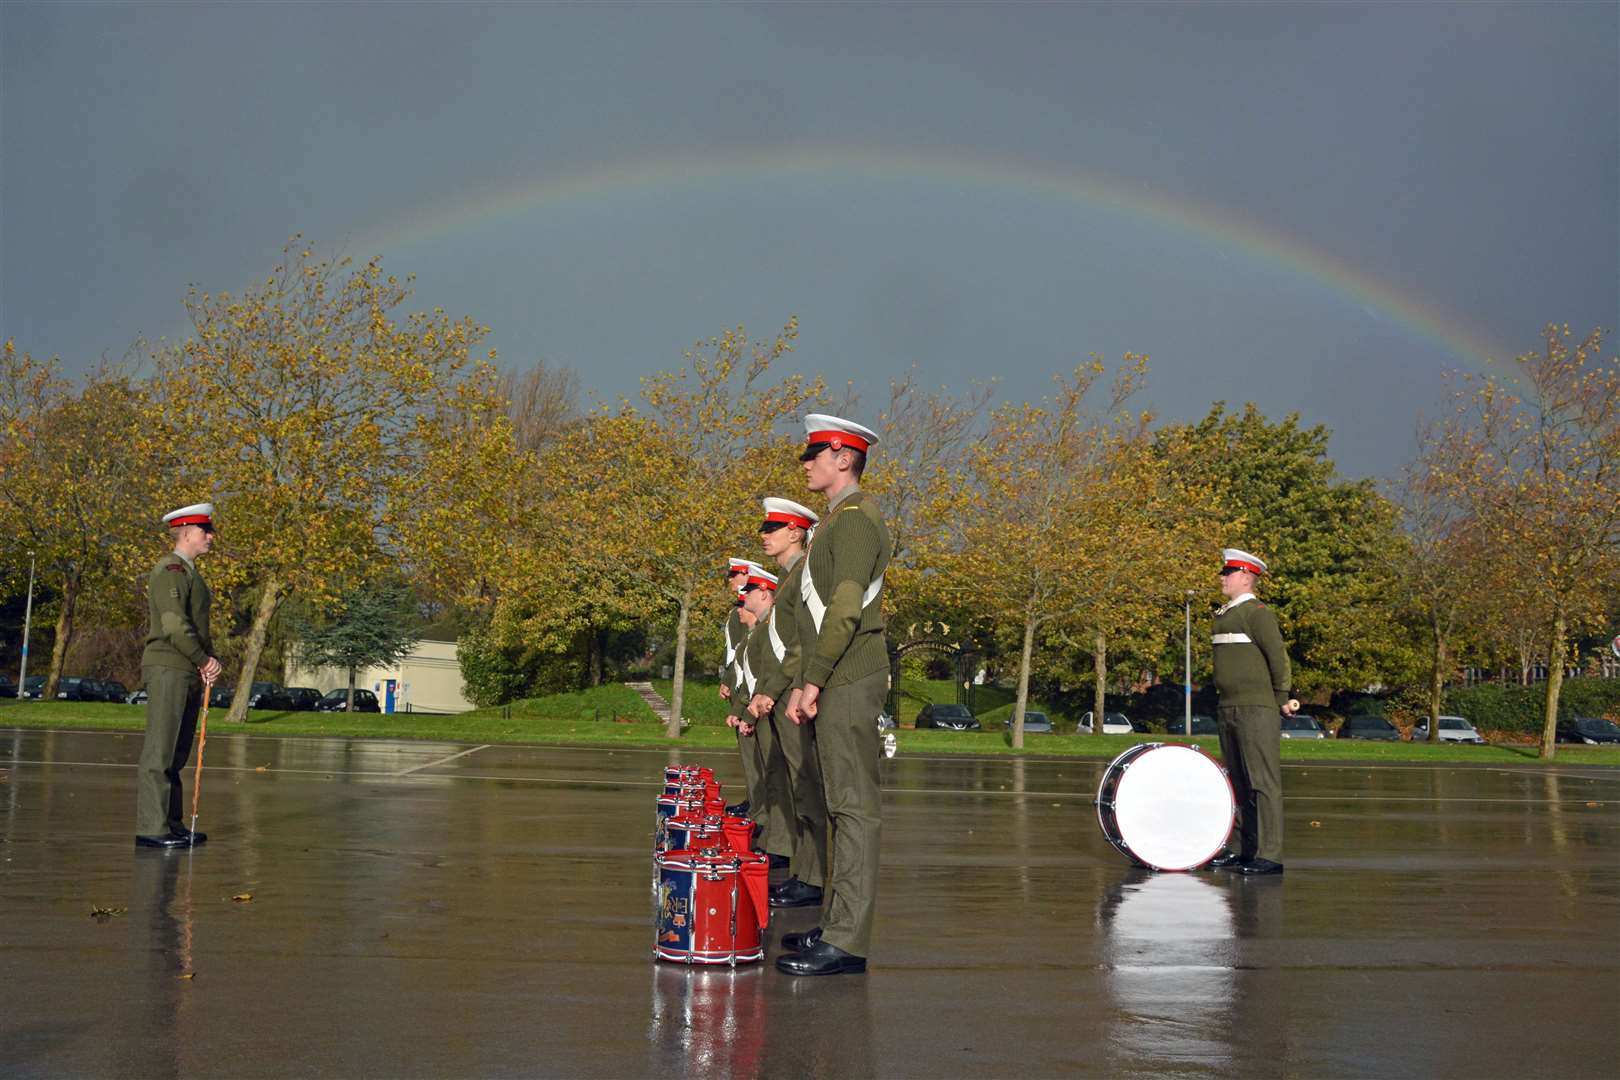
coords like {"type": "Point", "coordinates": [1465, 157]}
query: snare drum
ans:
{"type": "Point", "coordinates": [710, 907]}
{"type": "Point", "coordinates": [1166, 807]}
{"type": "Point", "coordinates": [691, 832]}
{"type": "Point", "coordinates": [688, 772]}
{"type": "Point", "coordinates": [739, 833]}
{"type": "Point", "coordinates": [693, 788]}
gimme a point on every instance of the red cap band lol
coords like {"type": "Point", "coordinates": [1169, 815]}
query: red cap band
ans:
{"type": "Point", "coordinates": [190, 519]}
{"type": "Point", "coordinates": [838, 440]}
{"type": "Point", "coordinates": [1240, 564]}
{"type": "Point", "coordinates": [788, 519]}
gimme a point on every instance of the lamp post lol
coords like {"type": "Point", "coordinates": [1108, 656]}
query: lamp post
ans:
{"type": "Point", "coordinates": [1186, 669]}
{"type": "Point", "coordinates": [28, 618]}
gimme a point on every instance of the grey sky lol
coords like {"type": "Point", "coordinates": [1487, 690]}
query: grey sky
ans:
{"type": "Point", "coordinates": [1462, 157]}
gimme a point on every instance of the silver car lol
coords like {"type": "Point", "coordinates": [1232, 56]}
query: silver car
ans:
{"type": "Point", "coordinates": [1302, 726]}
{"type": "Point", "coordinates": [1452, 729]}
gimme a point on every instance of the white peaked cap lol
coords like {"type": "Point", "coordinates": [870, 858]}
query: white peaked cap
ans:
{"type": "Point", "coordinates": [195, 514]}
{"type": "Point", "coordinates": [1242, 560]}
{"type": "Point", "coordinates": [789, 512]}
{"type": "Point", "coordinates": [822, 428]}
{"type": "Point", "coordinates": [759, 576]}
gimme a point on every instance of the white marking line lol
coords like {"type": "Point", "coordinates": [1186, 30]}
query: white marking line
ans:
{"type": "Point", "coordinates": [440, 761]}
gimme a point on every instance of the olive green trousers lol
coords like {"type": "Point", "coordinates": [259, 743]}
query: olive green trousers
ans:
{"type": "Point", "coordinates": [808, 803]}
{"type": "Point", "coordinates": [847, 751]}
{"type": "Point", "coordinates": [173, 698]}
{"type": "Point", "coordinates": [778, 828]}
{"type": "Point", "coordinates": [1251, 748]}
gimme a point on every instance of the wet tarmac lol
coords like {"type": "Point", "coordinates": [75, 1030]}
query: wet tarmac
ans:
{"type": "Point", "coordinates": [447, 910]}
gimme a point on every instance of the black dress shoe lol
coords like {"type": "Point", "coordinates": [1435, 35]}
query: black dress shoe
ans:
{"type": "Point", "coordinates": [1225, 859]}
{"type": "Point", "coordinates": [738, 809]}
{"type": "Point", "coordinates": [795, 893]}
{"type": "Point", "coordinates": [798, 940]}
{"type": "Point", "coordinates": [189, 838]}
{"type": "Point", "coordinates": [778, 862]}
{"type": "Point", "coordinates": [822, 958]}
{"type": "Point", "coordinates": [1260, 866]}
{"type": "Point", "coordinates": [161, 842]}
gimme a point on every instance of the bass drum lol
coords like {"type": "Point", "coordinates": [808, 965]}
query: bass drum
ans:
{"type": "Point", "coordinates": [1166, 807]}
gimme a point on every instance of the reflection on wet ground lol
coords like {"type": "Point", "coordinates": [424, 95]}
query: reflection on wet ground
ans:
{"type": "Point", "coordinates": [448, 910]}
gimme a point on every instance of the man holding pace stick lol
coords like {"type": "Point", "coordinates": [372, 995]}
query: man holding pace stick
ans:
{"type": "Point", "coordinates": [178, 666]}
{"type": "Point", "coordinates": [842, 682]}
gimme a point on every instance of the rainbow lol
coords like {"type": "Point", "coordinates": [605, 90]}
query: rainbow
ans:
{"type": "Point", "coordinates": [671, 175]}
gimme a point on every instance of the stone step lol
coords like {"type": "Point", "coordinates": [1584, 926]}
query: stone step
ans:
{"type": "Point", "coordinates": [655, 701]}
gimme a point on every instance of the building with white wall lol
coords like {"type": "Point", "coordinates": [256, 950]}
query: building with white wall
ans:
{"type": "Point", "coordinates": [427, 680]}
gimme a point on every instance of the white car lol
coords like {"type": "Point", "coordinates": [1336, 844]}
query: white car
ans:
{"type": "Point", "coordinates": [1452, 729]}
{"type": "Point", "coordinates": [1113, 724]}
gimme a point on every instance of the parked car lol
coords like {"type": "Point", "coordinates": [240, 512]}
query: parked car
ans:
{"type": "Point", "coordinates": [952, 717]}
{"type": "Point", "coordinates": [1369, 727]}
{"type": "Point", "coordinates": [259, 691]}
{"type": "Point", "coordinates": [138, 697]}
{"type": "Point", "coordinates": [1037, 723]}
{"type": "Point", "coordinates": [112, 690]}
{"type": "Point", "coordinates": [8, 687]}
{"type": "Point", "coordinates": [1114, 723]}
{"type": "Point", "coordinates": [221, 696]}
{"type": "Point", "coordinates": [33, 686]}
{"type": "Point", "coordinates": [1585, 729]}
{"type": "Point", "coordinates": [1201, 725]}
{"type": "Point", "coordinates": [1302, 726]}
{"type": "Point", "coordinates": [292, 699]}
{"type": "Point", "coordinates": [337, 701]}
{"type": "Point", "coordinates": [77, 688]}
{"type": "Point", "coordinates": [1452, 729]}
{"type": "Point", "coordinates": [887, 722]}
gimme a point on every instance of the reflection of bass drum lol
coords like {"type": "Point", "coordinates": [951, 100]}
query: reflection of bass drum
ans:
{"type": "Point", "coordinates": [1167, 807]}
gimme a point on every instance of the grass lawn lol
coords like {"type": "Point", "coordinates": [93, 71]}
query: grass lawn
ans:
{"type": "Point", "coordinates": [615, 716]}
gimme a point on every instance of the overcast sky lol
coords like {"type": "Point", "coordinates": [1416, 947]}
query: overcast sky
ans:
{"type": "Point", "coordinates": [1322, 208]}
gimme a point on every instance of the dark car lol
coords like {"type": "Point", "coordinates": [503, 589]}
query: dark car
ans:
{"type": "Point", "coordinates": [259, 691]}
{"type": "Point", "coordinates": [952, 717]}
{"type": "Point", "coordinates": [292, 699]}
{"type": "Point", "coordinates": [33, 686]}
{"type": "Point", "coordinates": [1201, 725]}
{"type": "Point", "coordinates": [337, 701]}
{"type": "Point", "coordinates": [8, 688]}
{"type": "Point", "coordinates": [1587, 729]}
{"type": "Point", "coordinates": [77, 688]}
{"type": "Point", "coordinates": [1301, 726]}
{"type": "Point", "coordinates": [112, 690]}
{"type": "Point", "coordinates": [1369, 727]}
{"type": "Point", "coordinates": [1037, 723]}
{"type": "Point", "coordinates": [221, 696]}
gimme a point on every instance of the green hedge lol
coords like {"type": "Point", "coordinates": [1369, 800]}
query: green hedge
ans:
{"type": "Point", "coordinates": [1494, 707]}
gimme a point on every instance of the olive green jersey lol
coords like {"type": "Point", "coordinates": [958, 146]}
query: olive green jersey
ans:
{"type": "Point", "coordinates": [1251, 663]}
{"type": "Point", "coordinates": [177, 601]}
{"type": "Point", "coordinates": [783, 635]}
{"type": "Point", "coordinates": [840, 618]}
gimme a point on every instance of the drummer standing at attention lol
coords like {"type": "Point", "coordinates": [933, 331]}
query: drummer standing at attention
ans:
{"type": "Point", "coordinates": [770, 795]}
{"type": "Point", "coordinates": [736, 632]}
{"type": "Point", "coordinates": [842, 682]}
{"type": "Point", "coordinates": [178, 666]}
{"type": "Point", "coordinates": [1252, 677]}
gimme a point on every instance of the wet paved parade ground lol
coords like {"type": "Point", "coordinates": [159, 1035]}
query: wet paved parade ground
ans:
{"type": "Point", "coordinates": [413, 909]}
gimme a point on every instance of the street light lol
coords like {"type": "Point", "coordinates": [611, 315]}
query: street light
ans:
{"type": "Point", "coordinates": [1186, 669]}
{"type": "Point", "coordinates": [28, 618]}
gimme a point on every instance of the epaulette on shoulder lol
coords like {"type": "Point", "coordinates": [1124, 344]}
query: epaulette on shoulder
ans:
{"type": "Point", "coordinates": [176, 567]}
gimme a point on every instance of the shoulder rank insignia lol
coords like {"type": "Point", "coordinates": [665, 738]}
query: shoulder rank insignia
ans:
{"type": "Point", "coordinates": [176, 567]}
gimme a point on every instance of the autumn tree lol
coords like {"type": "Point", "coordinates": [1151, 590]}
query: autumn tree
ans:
{"type": "Point", "coordinates": [77, 468]}
{"type": "Point", "coordinates": [1535, 456]}
{"type": "Point", "coordinates": [373, 625]}
{"type": "Point", "coordinates": [313, 413]}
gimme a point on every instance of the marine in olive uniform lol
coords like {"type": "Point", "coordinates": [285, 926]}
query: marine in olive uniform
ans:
{"type": "Point", "coordinates": [1252, 676]}
{"type": "Point", "coordinates": [841, 686]}
{"type": "Point", "coordinates": [770, 795]}
{"type": "Point", "coordinates": [178, 665]}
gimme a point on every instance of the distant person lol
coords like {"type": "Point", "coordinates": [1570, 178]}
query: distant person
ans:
{"type": "Point", "coordinates": [840, 690]}
{"type": "Point", "coordinates": [736, 632]}
{"type": "Point", "coordinates": [771, 802]}
{"type": "Point", "coordinates": [178, 666]}
{"type": "Point", "coordinates": [1252, 677]}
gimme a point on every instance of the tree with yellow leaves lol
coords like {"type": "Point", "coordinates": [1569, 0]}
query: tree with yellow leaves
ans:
{"type": "Point", "coordinates": [1535, 457]}
{"type": "Point", "coordinates": [323, 425]}
{"type": "Point", "coordinates": [76, 486]}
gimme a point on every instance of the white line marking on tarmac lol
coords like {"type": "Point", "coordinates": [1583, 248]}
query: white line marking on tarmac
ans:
{"type": "Point", "coordinates": [441, 761]}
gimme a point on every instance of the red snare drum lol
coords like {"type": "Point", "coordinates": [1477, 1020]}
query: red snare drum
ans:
{"type": "Point", "coordinates": [692, 833]}
{"type": "Point", "coordinates": [739, 833]}
{"type": "Point", "coordinates": [710, 907]}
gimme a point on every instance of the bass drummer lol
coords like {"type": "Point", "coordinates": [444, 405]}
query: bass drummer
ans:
{"type": "Point", "coordinates": [1252, 676]}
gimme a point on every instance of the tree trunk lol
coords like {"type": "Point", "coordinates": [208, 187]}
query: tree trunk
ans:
{"type": "Point", "coordinates": [1555, 684]}
{"type": "Point", "coordinates": [1099, 664]}
{"type": "Point", "coordinates": [64, 637]}
{"type": "Point", "coordinates": [1023, 685]}
{"type": "Point", "coordinates": [269, 602]}
{"type": "Point", "coordinates": [348, 705]}
{"type": "Point", "coordinates": [597, 647]}
{"type": "Point", "coordinates": [678, 691]}
{"type": "Point", "coordinates": [1436, 682]}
